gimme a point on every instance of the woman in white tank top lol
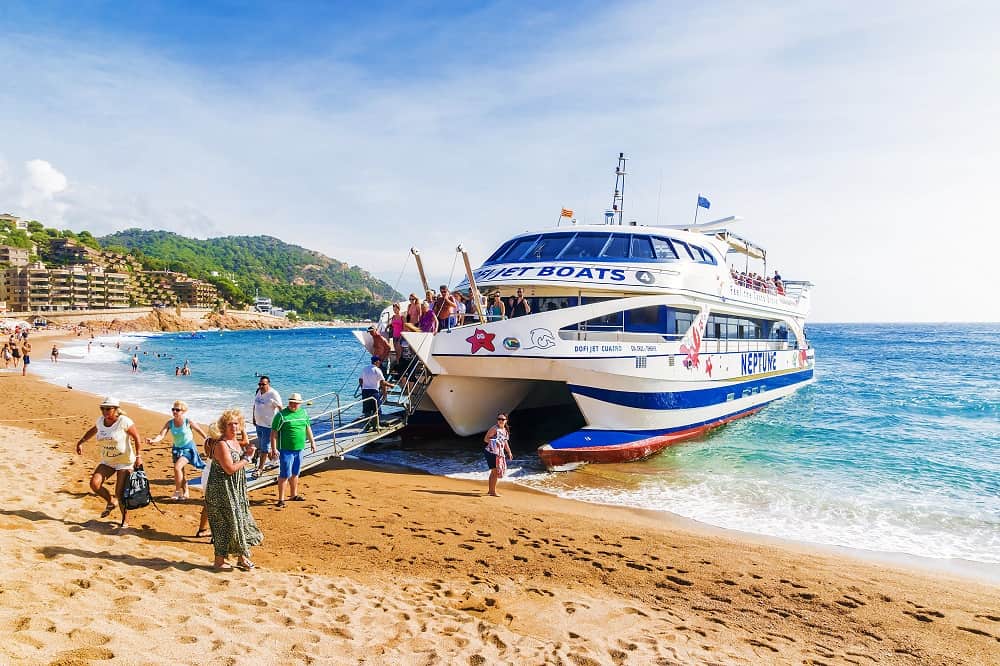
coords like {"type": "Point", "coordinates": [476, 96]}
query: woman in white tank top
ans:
{"type": "Point", "coordinates": [119, 441]}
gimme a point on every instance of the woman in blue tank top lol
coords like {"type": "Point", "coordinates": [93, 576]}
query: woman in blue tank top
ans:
{"type": "Point", "coordinates": [184, 450]}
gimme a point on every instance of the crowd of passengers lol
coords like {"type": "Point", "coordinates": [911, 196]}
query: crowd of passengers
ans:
{"type": "Point", "coordinates": [771, 285]}
{"type": "Point", "coordinates": [438, 312]}
{"type": "Point", "coordinates": [448, 309]}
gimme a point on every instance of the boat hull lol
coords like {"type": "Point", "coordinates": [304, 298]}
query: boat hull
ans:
{"type": "Point", "coordinates": [568, 456]}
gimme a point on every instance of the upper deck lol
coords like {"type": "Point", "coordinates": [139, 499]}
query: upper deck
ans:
{"type": "Point", "coordinates": [632, 260]}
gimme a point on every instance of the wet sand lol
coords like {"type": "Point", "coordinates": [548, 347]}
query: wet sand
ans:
{"type": "Point", "coordinates": [393, 566]}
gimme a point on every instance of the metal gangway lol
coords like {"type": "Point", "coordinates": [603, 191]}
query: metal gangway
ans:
{"type": "Point", "coordinates": [342, 427]}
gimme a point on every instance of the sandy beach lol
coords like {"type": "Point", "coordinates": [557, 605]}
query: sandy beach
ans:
{"type": "Point", "coordinates": [391, 566]}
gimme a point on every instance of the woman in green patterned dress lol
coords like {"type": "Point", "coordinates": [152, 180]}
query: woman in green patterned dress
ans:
{"type": "Point", "coordinates": [233, 528]}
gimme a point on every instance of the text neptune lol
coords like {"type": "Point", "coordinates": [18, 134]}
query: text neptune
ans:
{"type": "Point", "coordinates": [753, 363]}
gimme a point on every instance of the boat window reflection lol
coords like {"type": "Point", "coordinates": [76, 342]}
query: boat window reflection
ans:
{"type": "Point", "coordinates": [584, 246]}
{"type": "Point", "coordinates": [617, 247]}
{"type": "Point", "coordinates": [549, 247]}
{"type": "Point", "coordinates": [642, 248]}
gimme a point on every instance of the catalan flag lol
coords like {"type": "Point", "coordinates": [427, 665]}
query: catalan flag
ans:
{"type": "Point", "coordinates": [566, 212]}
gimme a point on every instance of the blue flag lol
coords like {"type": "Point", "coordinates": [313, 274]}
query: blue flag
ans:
{"type": "Point", "coordinates": [703, 202]}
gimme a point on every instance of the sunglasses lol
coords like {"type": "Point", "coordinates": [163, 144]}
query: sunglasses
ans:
{"type": "Point", "coordinates": [501, 418]}
{"type": "Point", "coordinates": [176, 409]}
{"type": "Point", "coordinates": [107, 409]}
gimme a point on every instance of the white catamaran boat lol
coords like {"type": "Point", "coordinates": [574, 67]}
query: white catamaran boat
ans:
{"type": "Point", "coordinates": [649, 331]}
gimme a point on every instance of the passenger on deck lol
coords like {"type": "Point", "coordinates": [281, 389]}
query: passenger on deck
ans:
{"type": "Point", "coordinates": [496, 311]}
{"type": "Point", "coordinates": [460, 308]}
{"type": "Point", "coordinates": [372, 383]}
{"type": "Point", "coordinates": [519, 307]}
{"type": "Point", "coordinates": [445, 307]}
{"type": "Point", "coordinates": [428, 322]}
{"type": "Point", "coordinates": [413, 313]}
{"type": "Point", "coordinates": [396, 323]}
{"type": "Point", "coordinates": [380, 346]}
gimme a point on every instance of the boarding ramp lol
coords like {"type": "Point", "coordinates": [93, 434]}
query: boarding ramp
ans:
{"type": "Point", "coordinates": [342, 427]}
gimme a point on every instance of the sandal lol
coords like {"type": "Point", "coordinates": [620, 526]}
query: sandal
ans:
{"type": "Point", "coordinates": [107, 510]}
{"type": "Point", "coordinates": [200, 534]}
{"type": "Point", "coordinates": [225, 566]}
{"type": "Point", "coordinates": [245, 565]}
{"type": "Point", "coordinates": [298, 498]}
{"type": "Point", "coordinates": [281, 503]}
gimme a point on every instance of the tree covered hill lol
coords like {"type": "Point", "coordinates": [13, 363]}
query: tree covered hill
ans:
{"type": "Point", "coordinates": [293, 277]}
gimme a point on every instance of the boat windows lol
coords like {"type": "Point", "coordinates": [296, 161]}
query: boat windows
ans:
{"type": "Point", "coordinates": [598, 246]}
{"type": "Point", "coordinates": [664, 250]}
{"type": "Point", "coordinates": [584, 246]}
{"type": "Point", "coordinates": [550, 303]}
{"type": "Point", "coordinates": [617, 247]}
{"type": "Point", "coordinates": [642, 248]}
{"type": "Point", "coordinates": [518, 248]}
{"type": "Point", "coordinates": [548, 247]}
{"type": "Point", "coordinates": [702, 255]}
{"type": "Point", "coordinates": [724, 327]}
{"type": "Point", "coordinates": [652, 319]}
{"type": "Point", "coordinates": [679, 321]}
{"type": "Point", "coordinates": [683, 249]}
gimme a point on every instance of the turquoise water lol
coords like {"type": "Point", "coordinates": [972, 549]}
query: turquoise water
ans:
{"type": "Point", "coordinates": [894, 449]}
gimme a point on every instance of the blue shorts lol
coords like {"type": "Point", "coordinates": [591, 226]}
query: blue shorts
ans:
{"type": "Point", "coordinates": [263, 438]}
{"type": "Point", "coordinates": [188, 452]}
{"type": "Point", "coordinates": [491, 459]}
{"type": "Point", "coordinates": [289, 463]}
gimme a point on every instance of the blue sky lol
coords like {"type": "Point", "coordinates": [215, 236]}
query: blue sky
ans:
{"type": "Point", "coordinates": [858, 141]}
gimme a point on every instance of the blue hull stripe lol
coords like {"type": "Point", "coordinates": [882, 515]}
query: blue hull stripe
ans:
{"type": "Point", "coordinates": [688, 399]}
{"type": "Point", "coordinates": [589, 439]}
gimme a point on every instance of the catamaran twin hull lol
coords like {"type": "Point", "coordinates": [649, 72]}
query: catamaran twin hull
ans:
{"type": "Point", "coordinates": [636, 393]}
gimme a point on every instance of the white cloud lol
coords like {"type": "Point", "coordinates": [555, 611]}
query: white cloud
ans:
{"type": "Point", "coordinates": [858, 146]}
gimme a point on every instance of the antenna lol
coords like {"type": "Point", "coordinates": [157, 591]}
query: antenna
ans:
{"type": "Point", "coordinates": [618, 199]}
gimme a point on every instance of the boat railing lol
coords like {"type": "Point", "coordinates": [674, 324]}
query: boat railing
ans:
{"type": "Point", "coordinates": [410, 386]}
{"type": "Point", "coordinates": [354, 426]}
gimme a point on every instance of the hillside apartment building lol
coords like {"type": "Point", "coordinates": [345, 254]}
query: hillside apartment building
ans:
{"type": "Point", "coordinates": [87, 279]}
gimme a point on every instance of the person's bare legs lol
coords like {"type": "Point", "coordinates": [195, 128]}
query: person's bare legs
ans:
{"type": "Point", "coordinates": [281, 489]}
{"type": "Point", "coordinates": [203, 522]}
{"type": "Point", "coordinates": [97, 481]}
{"type": "Point", "coordinates": [179, 481]}
{"type": "Point", "coordinates": [293, 486]}
{"type": "Point", "coordinates": [494, 475]}
{"type": "Point", "coordinates": [121, 478]}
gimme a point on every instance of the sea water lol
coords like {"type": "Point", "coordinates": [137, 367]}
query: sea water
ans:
{"type": "Point", "coordinates": [894, 449]}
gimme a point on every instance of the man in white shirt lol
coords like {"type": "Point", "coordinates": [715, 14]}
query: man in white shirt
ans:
{"type": "Point", "coordinates": [266, 403]}
{"type": "Point", "coordinates": [372, 381]}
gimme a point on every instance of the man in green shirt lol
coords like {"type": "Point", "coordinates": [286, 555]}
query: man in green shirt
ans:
{"type": "Point", "coordinates": [289, 431]}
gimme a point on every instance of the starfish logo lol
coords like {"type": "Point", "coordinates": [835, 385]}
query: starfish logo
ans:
{"type": "Point", "coordinates": [481, 340]}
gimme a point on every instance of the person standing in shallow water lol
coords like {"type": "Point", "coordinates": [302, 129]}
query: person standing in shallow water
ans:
{"type": "Point", "coordinates": [497, 451]}
{"type": "Point", "coordinates": [234, 530]}
{"type": "Point", "coordinates": [119, 441]}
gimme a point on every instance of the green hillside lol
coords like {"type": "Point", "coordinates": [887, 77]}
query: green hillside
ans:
{"type": "Point", "coordinates": [293, 277]}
